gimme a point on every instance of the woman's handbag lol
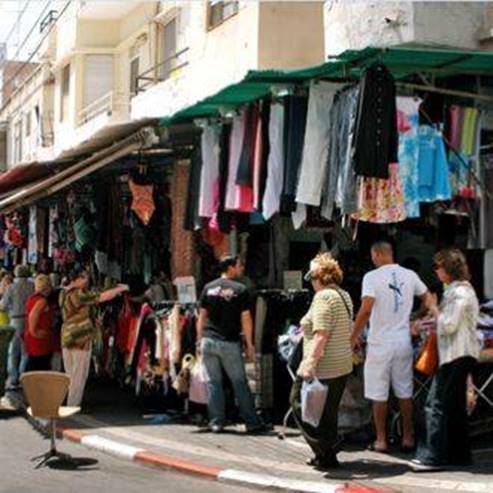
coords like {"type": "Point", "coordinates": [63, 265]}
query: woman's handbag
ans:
{"type": "Point", "coordinates": [427, 362]}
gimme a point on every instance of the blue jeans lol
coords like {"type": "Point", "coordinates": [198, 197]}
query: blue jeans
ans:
{"type": "Point", "coordinates": [218, 355]}
{"type": "Point", "coordinates": [17, 357]}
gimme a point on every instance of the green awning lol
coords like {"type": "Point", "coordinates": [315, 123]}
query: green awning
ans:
{"type": "Point", "coordinates": [403, 61]}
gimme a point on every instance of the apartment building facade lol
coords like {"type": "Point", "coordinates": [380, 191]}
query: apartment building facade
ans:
{"type": "Point", "coordinates": [107, 67]}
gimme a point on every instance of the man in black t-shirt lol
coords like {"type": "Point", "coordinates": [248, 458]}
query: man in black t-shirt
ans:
{"type": "Point", "coordinates": [224, 316]}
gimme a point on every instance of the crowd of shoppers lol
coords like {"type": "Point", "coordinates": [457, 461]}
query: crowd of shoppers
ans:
{"type": "Point", "coordinates": [225, 333]}
{"type": "Point", "coordinates": [31, 308]}
{"type": "Point", "coordinates": [389, 294]}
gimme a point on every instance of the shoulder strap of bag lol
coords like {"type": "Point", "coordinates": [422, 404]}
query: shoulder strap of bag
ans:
{"type": "Point", "coordinates": [345, 303]}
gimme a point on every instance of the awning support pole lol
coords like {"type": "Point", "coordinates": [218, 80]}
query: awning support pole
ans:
{"type": "Point", "coordinates": [441, 90]}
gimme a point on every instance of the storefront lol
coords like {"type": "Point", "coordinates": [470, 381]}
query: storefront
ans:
{"type": "Point", "coordinates": [375, 144]}
{"type": "Point", "coordinates": [379, 144]}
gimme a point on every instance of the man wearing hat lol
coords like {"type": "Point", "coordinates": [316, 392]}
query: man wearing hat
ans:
{"type": "Point", "coordinates": [14, 303]}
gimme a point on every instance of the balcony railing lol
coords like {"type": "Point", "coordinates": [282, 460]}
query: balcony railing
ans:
{"type": "Point", "coordinates": [106, 104]}
{"type": "Point", "coordinates": [167, 69]}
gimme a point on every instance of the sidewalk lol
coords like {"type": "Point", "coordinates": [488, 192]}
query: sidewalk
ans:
{"type": "Point", "coordinates": [113, 425]}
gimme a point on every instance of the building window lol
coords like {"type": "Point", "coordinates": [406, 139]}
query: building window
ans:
{"type": "Point", "coordinates": [134, 73]}
{"type": "Point", "coordinates": [17, 154]}
{"type": "Point", "coordinates": [65, 90]}
{"type": "Point", "coordinates": [219, 11]}
{"type": "Point", "coordinates": [28, 124]}
{"type": "Point", "coordinates": [168, 59]}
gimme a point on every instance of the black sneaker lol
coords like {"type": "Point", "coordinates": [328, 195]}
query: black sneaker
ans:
{"type": "Point", "coordinates": [262, 429]}
{"type": "Point", "coordinates": [325, 463]}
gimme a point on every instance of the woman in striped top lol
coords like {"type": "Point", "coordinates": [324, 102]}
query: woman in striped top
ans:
{"type": "Point", "coordinates": [327, 355]}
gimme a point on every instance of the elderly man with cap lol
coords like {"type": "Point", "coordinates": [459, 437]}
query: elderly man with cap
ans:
{"type": "Point", "coordinates": [14, 303]}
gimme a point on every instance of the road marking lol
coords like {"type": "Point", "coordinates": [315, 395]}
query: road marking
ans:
{"type": "Point", "coordinates": [110, 446]}
{"type": "Point", "coordinates": [267, 481]}
{"type": "Point", "coordinates": [443, 484]}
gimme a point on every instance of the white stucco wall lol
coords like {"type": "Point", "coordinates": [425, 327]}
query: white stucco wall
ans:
{"type": "Point", "coordinates": [356, 24]}
{"type": "Point", "coordinates": [216, 58]}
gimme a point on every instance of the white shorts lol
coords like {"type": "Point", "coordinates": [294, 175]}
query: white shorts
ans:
{"type": "Point", "coordinates": [390, 363]}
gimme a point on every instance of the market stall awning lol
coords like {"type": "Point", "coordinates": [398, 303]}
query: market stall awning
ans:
{"type": "Point", "coordinates": [21, 175]}
{"type": "Point", "coordinates": [402, 61]}
{"type": "Point", "coordinates": [62, 179]}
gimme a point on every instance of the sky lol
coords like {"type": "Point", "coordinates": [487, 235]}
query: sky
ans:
{"type": "Point", "coordinates": [14, 28]}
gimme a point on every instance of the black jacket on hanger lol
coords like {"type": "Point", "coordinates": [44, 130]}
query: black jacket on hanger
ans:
{"type": "Point", "coordinates": [376, 138]}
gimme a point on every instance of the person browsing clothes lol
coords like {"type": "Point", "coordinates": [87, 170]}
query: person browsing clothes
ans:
{"type": "Point", "coordinates": [224, 317]}
{"type": "Point", "coordinates": [447, 436]}
{"type": "Point", "coordinates": [39, 337]}
{"type": "Point", "coordinates": [77, 304]}
{"type": "Point", "coordinates": [327, 355]}
{"type": "Point", "coordinates": [14, 302]}
{"type": "Point", "coordinates": [388, 294]}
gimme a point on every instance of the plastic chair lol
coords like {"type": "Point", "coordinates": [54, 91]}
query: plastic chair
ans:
{"type": "Point", "coordinates": [45, 392]}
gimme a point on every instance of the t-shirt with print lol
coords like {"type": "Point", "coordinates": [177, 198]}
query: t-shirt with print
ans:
{"type": "Point", "coordinates": [393, 287]}
{"type": "Point", "coordinates": [225, 300]}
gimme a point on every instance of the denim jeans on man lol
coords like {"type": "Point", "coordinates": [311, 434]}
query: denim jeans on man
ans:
{"type": "Point", "coordinates": [217, 356]}
{"type": "Point", "coordinates": [17, 356]}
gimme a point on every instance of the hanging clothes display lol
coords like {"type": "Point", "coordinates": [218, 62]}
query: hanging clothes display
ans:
{"type": "Point", "coordinates": [191, 219]}
{"type": "Point", "coordinates": [463, 129]}
{"type": "Point", "coordinates": [32, 242]}
{"type": "Point", "coordinates": [346, 198]}
{"type": "Point", "coordinates": [142, 201]}
{"type": "Point", "coordinates": [487, 226]}
{"type": "Point", "coordinates": [375, 140]}
{"type": "Point", "coordinates": [381, 201]}
{"type": "Point", "coordinates": [294, 136]}
{"type": "Point", "coordinates": [460, 168]}
{"type": "Point", "coordinates": [316, 143]}
{"type": "Point", "coordinates": [275, 164]}
{"type": "Point", "coordinates": [235, 150]}
{"type": "Point", "coordinates": [408, 122]}
{"type": "Point", "coordinates": [209, 177]}
{"type": "Point", "coordinates": [222, 221]}
{"type": "Point", "coordinates": [340, 181]}
{"type": "Point", "coordinates": [260, 169]}
{"type": "Point", "coordinates": [433, 172]}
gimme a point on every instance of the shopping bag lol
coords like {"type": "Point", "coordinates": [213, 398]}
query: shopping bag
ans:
{"type": "Point", "coordinates": [427, 362]}
{"type": "Point", "coordinates": [313, 398]}
{"type": "Point", "coordinates": [198, 392]}
{"type": "Point", "coordinates": [182, 381]}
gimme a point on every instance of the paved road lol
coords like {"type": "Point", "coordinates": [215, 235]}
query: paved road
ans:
{"type": "Point", "coordinates": [19, 442]}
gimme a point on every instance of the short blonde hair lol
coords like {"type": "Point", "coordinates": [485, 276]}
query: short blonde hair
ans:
{"type": "Point", "coordinates": [42, 281]}
{"type": "Point", "coordinates": [327, 271]}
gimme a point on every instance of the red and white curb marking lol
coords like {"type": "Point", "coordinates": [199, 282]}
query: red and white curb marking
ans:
{"type": "Point", "coordinates": [230, 476]}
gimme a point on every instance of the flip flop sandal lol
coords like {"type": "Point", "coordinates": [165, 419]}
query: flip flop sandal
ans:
{"type": "Point", "coordinates": [373, 448]}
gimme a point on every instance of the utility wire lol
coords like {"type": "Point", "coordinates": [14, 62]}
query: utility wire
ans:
{"type": "Point", "coordinates": [17, 21]}
{"type": "Point", "coordinates": [31, 56]}
{"type": "Point", "coordinates": [34, 26]}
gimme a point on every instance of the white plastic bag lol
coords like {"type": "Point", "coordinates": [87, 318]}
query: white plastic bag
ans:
{"type": "Point", "coordinates": [198, 392]}
{"type": "Point", "coordinates": [313, 397]}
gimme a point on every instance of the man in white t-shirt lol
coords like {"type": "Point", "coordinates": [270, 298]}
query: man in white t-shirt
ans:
{"type": "Point", "coordinates": [387, 302]}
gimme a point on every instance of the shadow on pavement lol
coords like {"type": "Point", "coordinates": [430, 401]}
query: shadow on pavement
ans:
{"type": "Point", "coordinates": [367, 469]}
{"type": "Point", "coordinates": [74, 464]}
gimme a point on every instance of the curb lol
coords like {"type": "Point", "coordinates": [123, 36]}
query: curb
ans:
{"type": "Point", "coordinates": [230, 476]}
